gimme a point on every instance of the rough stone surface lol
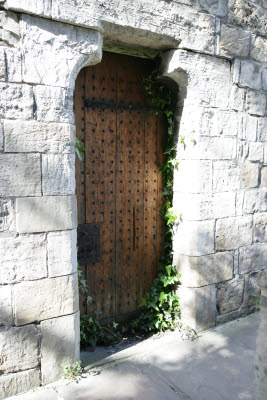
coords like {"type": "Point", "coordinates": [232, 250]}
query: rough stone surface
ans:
{"type": "Point", "coordinates": [249, 128]}
{"type": "Point", "coordinates": [260, 227]}
{"type": "Point", "coordinates": [60, 345]}
{"type": "Point", "coordinates": [264, 177]}
{"type": "Point", "coordinates": [255, 152]}
{"type": "Point", "coordinates": [205, 270]}
{"type": "Point", "coordinates": [250, 75]}
{"type": "Point", "coordinates": [18, 348]}
{"type": "Point", "coordinates": [251, 289]}
{"type": "Point", "coordinates": [262, 130]}
{"type": "Point", "coordinates": [7, 215]}
{"type": "Point", "coordinates": [58, 174]}
{"type": "Point", "coordinates": [9, 28]}
{"type": "Point", "coordinates": [46, 298]}
{"type": "Point", "coordinates": [22, 258]}
{"type": "Point", "coordinates": [13, 60]}
{"type": "Point", "coordinates": [241, 233]}
{"type": "Point", "coordinates": [5, 305]}
{"type": "Point", "coordinates": [194, 176]}
{"type": "Point", "coordinates": [1, 137]}
{"type": "Point", "coordinates": [253, 257]}
{"type": "Point", "coordinates": [33, 6]}
{"type": "Point", "coordinates": [48, 213]}
{"type": "Point", "coordinates": [226, 176]}
{"type": "Point", "coordinates": [194, 238]}
{"type": "Point", "coordinates": [217, 7]}
{"type": "Point", "coordinates": [209, 148]}
{"type": "Point", "coordinates": [234, 41]}
{"type": "Point", "coordinates": [255, 200]}
{"type": "Point", "coordinates": [62, 253]}
{"type": "Point", "coordinates": [264, 78]}
{"type": "Point", "coordinates": [250, 175]}
{"type": "Point", "coordinates": [230, 295]}
{"type": "Point", "coordinates": [256, 103]}
{"type": "Point", "coordinates": [259, 49]}
{"type": "Point", "coordinates": [246, 13]}
{"type": "Point", "coordinates": [31, 136]}
{"type": "Point", "coordinates": [18, 382]}
{"type": "Point", "coordinates": [20, 175]}
{"type": "Point", "coordinates": [16, 101]}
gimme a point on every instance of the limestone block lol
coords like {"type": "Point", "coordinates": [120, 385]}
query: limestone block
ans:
{"type": "Point", "coordinates": [245, 13]}
{"type": "Point", "coordinates": [265, 153]}
{"type": "Point", "coordinates": [20, 175]}
{"type": "Point", "coordinates": [194, 238]}
{"type": "Point", "coordinates": [42, 61]}
{"type": "Point", "coordinates": [264, 177]}
{"type": "Point", "coordinates": [2, 65]}
{"type": "Point", "coordinates": [216, 7]}
{"type": "Point", "coordinates": [7, 217]}
{"type": "Point", "coordinates": [228, 123]}
{"type": "Point", "coordinates": [255, 200]}
{"type": "Point", "coordinates": [255, 152]}
{"type": "Point", "coordinates": [239, 202]}
{"type": "Point", "coordinates": [60, 345]}
{"type": "Point", "coordinates": [22, 258]}
{"type": "Point", "coordinates": [32, 136]}
{"type": "Point", "coordinates": [237, 98]}
{"type": "Point", "coordinates": [16, 101]}
{"type": "Point", "coordinates": [250, 75]}
{"type": "Point", "coordinates": [251, 289]}
{"type": "Point", "coordinates": [234, 41]}
{"type": "Point", "coordinates": [62, 253]}
{"type": "Point", "coordinates": [236, 68]}
{"type": "Point", "coordinates": [32, 6]}
{"type": "Point", "coordinates": [230, 295]}
{"type": "Point", "coordinates": [48, 213]}
{"type": "Point", "coordinates": [209, 148]}
{"type": "Point", "coordinates": [18, 382]}
{"type": "Point", "coordinates": [46, 298]}
{"type": "Point", "coordinates": [1, 137]}
{"type": "Point", "coordinates": [198, 306]}
{"type": "Point", "coordinates": [9, 28]}
{"type": "Point", "coordinates": [262, 130]}
{"type": "Point", "coordinates": [259, 49]}
{"type": "Point", "coordinates": [226, 176]}
{"type": "Point", "coordinates": [264, 78]}
{"type": "Point", "coordinates": [260, 227]}
{"type": "Point", "coordinates": [243, 149]}
{"type": "Point", "coordinates": [204, 270]}
{"type": "Point", "coordinates": [54, 104]}
{"type": "Point", "coordinates": [13, 65]}
{"type": "Point", "coordinates": [250, 175]}
{"type": "Point", "coordinates": [253, 257]}
{"type": "Point", "coordinates": [193, 176]}
{"type": "Point", "coordinates": [233, 232]}
{"type": "Point", "coordinates": [256, 103]}
{"type": "Point", "coordinates": [6, 316]}
{"type": "Point", "coordinates": [58, 174]}
{"type": "Point", "coordinates": [249, 127]}
{"type": "Point", "coordinates": [18, 348]}
{"type": "Point", "coordinates": [204, 206]}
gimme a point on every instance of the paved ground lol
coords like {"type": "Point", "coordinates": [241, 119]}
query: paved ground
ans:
{"type": "Point", "coordinates": [217, 366]}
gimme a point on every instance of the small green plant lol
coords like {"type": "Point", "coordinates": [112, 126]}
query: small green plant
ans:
{"type": "Point", "coordinates": [73, 371]}
{"type": "Point", "coordinates": [79, 149]}
{"type": "Point", "coordinates": [257, 298]}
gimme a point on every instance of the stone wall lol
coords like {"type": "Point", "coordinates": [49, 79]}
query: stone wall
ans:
{"type": "Point", "coordinates": [217, 53]}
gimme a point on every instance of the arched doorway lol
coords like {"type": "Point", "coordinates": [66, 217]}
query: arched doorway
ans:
{"type": "Point", "coordinates": [118, 184]}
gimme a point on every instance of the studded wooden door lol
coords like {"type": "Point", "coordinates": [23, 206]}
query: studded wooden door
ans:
{"type": "Point", "coordinates": [118, 184]}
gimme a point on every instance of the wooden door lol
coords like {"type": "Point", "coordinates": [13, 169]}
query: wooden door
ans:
{"type": "Point", "coordinates": [118, 185]}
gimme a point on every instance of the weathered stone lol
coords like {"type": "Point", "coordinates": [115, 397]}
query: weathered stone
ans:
{"type": "Point", "coordinates": [209, 148]}
{"type": "Point", "coordinates": [250, 75]}
{"type": "Point", "coordinates": [230, 295]}
{"type": "Point", "coordinates": [260, 227]}
{"type": "Point", "coordinates": [256, 103]}
{"type": "Point", "coordinates": [7, 215]}
{"type": "Point", "coordinates": [234, 41]}
{"type": "Point", "coordinates": [62, 253]}
{"type": "Point", "coordinates": [262, 129]}
{"type": "Point", "coordinates": [250, 175]}
{"type": "Point", "coordinates": [20, 175]}
{"type": "Point", "coordinates": [46, 298]}
{"type": "Point", "coordinates": [198, 306]}
{"type": "Point", "coordinates": [2, 65]}
{"type": "Point", "coordinates": [1, 137]}
{"type": "Point", "coordinates": [251, 289]}
{"type": "Point", "coordinates": [194, 238]}
{"type": "Point", "coordinates": [259, 49]}
{"type": "Point", "coordinates": [243, 149]}
{"type": "Point", "coordinates": [255, 200]}
{"type": "Point", "coordinates": [18, 348]}
{"type": "Point", "coordinates": [193, 176]}
{"type": "Point", "coordinates": [216, 7]}
{"type": "Point", "coordinates": [249, 127]}
{"type": "Point", "coordinates": [253, 257]}
{"type": "Point", "coordinates": [245, 13]}
{"type": "Point", "coordinates": [58, 174]}
{"type": "Point", "coordinates": [264, 177]}
{"type": "Point", "coordinates": [49, 213]}
{"type": "Point", "coordinates": [42, 39]}
{"type": "Point", "coordinates": [31, 136]}
{"type": "Point", "coordinates": [237, 98]}
{"type": "Point", "coordinates": [13, 65]}
{"type": "Point", "coordinates": [204, 270]}
{"type": "Point", "coordinates": [255, 152]}
{"type": "Point", "coordinates": [22, 258]}
{"type": "Point", "coordinates": [226, 176]}
{"type": "Point", "coordinates": [204, 206]}
{"type": "Point", "coordinates": [6, 316]}
{"type": "Point", "coordinates": [264, 78]}
{"type": "Point", "coordinates": [16, 101]}
{"type": "Point", "coordinates": [239, 202]}
{"type": "Point", "coordinates": [236, 68]}
{"type": "Point", "coordinates": [265, 153]}
{"type": "Point", "coordinates": [241, 233]}
{"type": "Point", "coordinates": [18, 382]}
{"type": "Point", "coordinates": [60, 346]}
{"type": "Point", "coordinates": [32, 6]}
{"type": "Point", "coordinates": [54, 104]}
{"type": "Point", "coordinates": [9, 28]}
